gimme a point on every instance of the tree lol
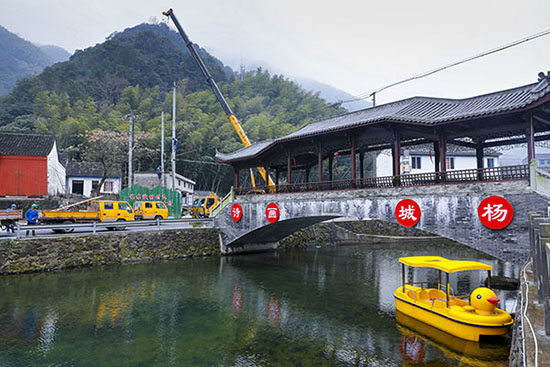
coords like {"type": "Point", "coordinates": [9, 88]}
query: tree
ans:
{"type": "Point", "coordinates": [107, 148]}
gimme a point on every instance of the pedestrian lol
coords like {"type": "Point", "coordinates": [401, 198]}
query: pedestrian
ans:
{"type": "Point", "coordinates": [32, 217]}
{"type": "Point", "coordinates": [9, 227]}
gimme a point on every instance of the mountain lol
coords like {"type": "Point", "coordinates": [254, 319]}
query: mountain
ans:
{"type": "Point", "coordinates": [143, 55]}
{"type": "Point", "coordinates": [327, 92]}
{"type": "Point", "coordinates": [18, 59]}
{"type": "Point", "coordinates": [55, 53]}
{"type": "Point", "coordinates": [332, 94]}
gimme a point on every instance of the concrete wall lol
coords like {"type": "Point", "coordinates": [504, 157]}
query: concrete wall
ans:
{"type": "Point", "coordinates": [47, 254]}
{"type": "Point", "coordinates": [449, 211]}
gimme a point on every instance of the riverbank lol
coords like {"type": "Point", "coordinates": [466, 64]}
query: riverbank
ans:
{"type": "Point", "coordinates": [50, 254]}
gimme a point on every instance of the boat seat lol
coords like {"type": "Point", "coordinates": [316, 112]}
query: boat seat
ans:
{"type": "Point", "coordinates": [437, 293]}
{"type": "Point", "coordinates": [424, 295]}
{"type": "Point", "coordinates": [439, 302]}
{"type": "Point", "coordinates": [411, 294]}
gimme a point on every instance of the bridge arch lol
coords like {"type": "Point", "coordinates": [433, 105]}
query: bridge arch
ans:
{"type": "Point", "coordinates": [449, 211]}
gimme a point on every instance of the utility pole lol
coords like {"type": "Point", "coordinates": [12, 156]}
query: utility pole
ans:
{"type": "Point", "coordinates": [162, 179]}
{"type": "Point", "coordinates": [174, 139]}
{"type": "Point", "coordinates": [130, 150]}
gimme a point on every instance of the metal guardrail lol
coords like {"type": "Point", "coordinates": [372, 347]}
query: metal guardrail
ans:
{"type": "Point", "coordinates": [115, 225]}
{"type": "Point", "coordinates": [229, 198]}
{"type": "Point", "coordinates": [493, 174]}
{"type": "Point", "coordinates": [539, 240]}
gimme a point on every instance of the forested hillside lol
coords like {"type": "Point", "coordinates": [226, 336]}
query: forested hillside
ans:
{"type": "Point", "coordinates": [20, 58]}
{"type": "Point", "coordinates": [132, 73]}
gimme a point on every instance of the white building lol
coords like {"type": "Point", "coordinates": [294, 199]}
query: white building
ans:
{"type": "Point", "coordinates": [184, 185]}
{"type": "Point", "coordinates": [84, 177]}
{"type": "Point", "coordinates": [421, 161]}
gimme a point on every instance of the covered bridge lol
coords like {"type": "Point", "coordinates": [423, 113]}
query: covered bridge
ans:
{"type": "Point", "coordinates": [507, 117]}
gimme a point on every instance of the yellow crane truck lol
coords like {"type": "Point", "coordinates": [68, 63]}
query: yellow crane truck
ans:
{"type": "Point", "coordinates": [98, 211]}
{"type": "Point", "coordinates": [219, 96]}
{"type": "Point", "coordinates": [202, 205]}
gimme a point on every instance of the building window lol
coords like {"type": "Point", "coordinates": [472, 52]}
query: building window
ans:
{"type": "Point", "coordinates": [416, 162]}
{"type": "Point", "coordinates": [95, 184]}
{"type": "Point", "coordinates": [78, 187]}
{"type": "Point", "coordinates": [490, 162]}
{"type": "Point", "coordinates": [108, 186]}
{"type": "Point", "coordinates": [450, 163]}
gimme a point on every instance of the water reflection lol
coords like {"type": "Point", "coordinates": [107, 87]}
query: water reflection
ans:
{"type": "Point", "coordinates": [323, 307]}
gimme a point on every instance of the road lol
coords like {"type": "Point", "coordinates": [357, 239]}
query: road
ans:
{"type": "Point", "coordinates": [165, 225]}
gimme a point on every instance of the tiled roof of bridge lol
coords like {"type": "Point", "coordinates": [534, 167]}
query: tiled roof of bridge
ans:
{"type": "Point", "coordinates": [418, 110]}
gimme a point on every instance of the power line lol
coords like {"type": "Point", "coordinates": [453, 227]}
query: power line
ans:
{"type": "Point", "coordinates": [427, 73]}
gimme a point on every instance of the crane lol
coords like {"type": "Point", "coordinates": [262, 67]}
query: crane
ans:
{"type": "Point", "coordinates": [219, 96]}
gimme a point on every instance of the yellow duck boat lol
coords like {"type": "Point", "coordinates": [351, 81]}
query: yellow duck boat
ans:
{"type": "Point", "coordinates": [452, 314]}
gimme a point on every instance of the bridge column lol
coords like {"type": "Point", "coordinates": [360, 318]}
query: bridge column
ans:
{"type": "Point", "coordinates": [266, 181]}
{"type": "Point", "coordinates": [320, 162]}
{"type": "Point", "coordinates": [236, 177]}
{"type": "Point", "coordinates": [442, 155]}
{"type": "Point", "coordinates": [353, 162]}
{"type": "Point", "coordinates": [277, 176]}
{"type": "Point", "coordinates": [288, 168]}
{"type": "Point", "coordinates": [479, 160]}
{"type": "Point", "coordinates": [437, 159]}
{"type": "Point", "coordinates": [330, 158]}
{"type": "Point", "coordinates": [361, 164]}
{"type": "Point", "coordinates": [530, 135]}
{"type": "Point", "coordinates": [307, 173]}
{"type": "Point", "coordinates": [396, 155]}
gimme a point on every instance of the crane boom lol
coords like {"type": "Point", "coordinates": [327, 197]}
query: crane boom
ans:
{"type": "Point", "coordinates": [219, 96]}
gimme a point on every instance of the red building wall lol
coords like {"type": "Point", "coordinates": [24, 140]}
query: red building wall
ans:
{"type": "Point", "coordinates": [23, 175]}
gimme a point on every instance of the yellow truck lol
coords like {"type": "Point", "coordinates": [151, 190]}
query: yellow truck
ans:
{"type": "Point", "coordinates": [98, 211]}
{"type": "Point", "coordinates": [202, 205]}
{"type": "Point", "coordinates": [150, 210]}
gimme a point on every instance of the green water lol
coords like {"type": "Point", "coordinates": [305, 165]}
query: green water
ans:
{"type": "Point", "coordinates": [317, 307]}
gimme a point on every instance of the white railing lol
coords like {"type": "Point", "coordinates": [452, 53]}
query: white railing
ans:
{"type": "Point", "coordinates": [66, 228]}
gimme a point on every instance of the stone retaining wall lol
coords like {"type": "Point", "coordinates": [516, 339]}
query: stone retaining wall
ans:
{"type": "Point", "coordinates": [47, 254]}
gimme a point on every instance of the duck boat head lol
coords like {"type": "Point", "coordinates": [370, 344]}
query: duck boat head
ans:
{"type": "Point", "coordinates": [484, 301]}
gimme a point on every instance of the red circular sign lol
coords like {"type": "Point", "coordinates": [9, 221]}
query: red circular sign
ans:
{"type": "Point", "coordinates": [272, 213]}
{"type": "Point", "coordinates": [495, 212]}
{"type": "Point", "coordinates": [407, 212]}
{"type": "Point", "coordinates": [236, 212]}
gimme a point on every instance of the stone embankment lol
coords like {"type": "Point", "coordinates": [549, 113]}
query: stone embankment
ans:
{"type": "Point", "coordinates": [47, 254]}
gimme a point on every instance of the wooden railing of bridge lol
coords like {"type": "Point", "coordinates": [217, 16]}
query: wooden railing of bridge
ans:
{"type": "Point", "coordinates": [493, 174]}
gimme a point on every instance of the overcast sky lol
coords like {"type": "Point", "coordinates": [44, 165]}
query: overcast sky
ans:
{"type": "Point", "coordinates": [354, 45]}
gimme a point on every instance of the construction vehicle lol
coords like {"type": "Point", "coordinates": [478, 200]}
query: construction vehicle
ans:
{"type": "Point", "coordinates": [8, 218]}
{"type": "Point", "coordinates": [202, 205]}
{"type": "Point", "coordinates": [150, 210]}
{"type": "Point", "coordinates": [219, 96]}
{"type": "Point", "coordinates": [98, 211]}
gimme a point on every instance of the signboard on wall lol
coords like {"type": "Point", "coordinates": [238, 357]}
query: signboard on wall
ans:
{"type": "Point", "coordinates": [171, 198]}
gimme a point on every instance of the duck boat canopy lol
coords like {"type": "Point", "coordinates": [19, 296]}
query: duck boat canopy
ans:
{"type": "Point", "coordinates": [467, 317]}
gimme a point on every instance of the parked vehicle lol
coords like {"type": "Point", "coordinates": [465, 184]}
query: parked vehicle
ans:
{"type": "Point", "coordinates": [202, 205]}
{"type": "Point", "coordinates": [8, 218]}
{"type": "Point", "coordinates": [98, 211]}
{"type": "Point", "coordinates": [150, 210]}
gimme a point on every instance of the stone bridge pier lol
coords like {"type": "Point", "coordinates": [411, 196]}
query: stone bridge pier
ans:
{"type": "Point", "coordinates": [448, 210]}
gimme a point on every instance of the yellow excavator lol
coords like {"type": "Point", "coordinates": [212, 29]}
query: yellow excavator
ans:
{"type": "Point", "coordinates": [219, 96]}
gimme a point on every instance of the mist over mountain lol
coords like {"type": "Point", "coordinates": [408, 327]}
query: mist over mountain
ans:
{"type": "Point", "coordinates": [332, 94]}
{"type": "Point", "coordinates": [55, 53]}
{"type": "Point", "coordinates": [19, 59]}
{"type": "Point", "coordinates": [326, 91]}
